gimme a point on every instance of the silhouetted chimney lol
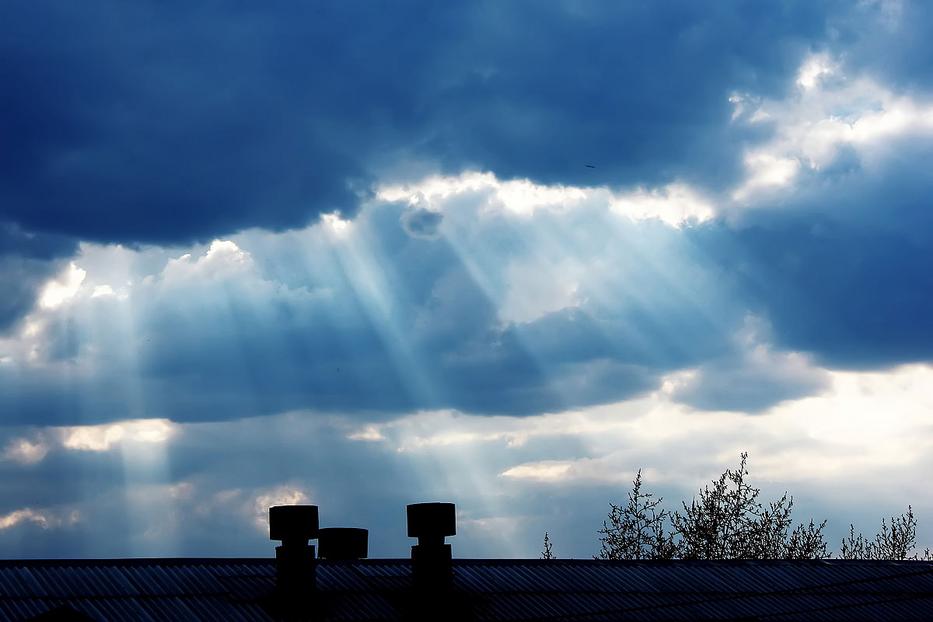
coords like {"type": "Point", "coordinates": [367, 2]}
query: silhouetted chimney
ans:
{"type": "Point", "coordinates": [431, 523]}
{"type": "Point", "coordinates": [343, 543]}
{"type": "Point", "coordinates": [294, 525]}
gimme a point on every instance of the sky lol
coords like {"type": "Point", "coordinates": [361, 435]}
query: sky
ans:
{"type": "Point", "coordinates": [504, 254]}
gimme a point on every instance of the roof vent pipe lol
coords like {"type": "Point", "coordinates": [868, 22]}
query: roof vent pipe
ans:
{"type": "Point", "coordinates": [343, 543]}
{"type": "Point", "coordinates": [431, 523]}
{"type": "Point", "coordinates": [294, 525]}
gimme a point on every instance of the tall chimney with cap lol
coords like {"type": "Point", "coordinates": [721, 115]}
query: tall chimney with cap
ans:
{"type": "Point", "coordinates": [431, 523]}
{"type": "Point", "coordinates": [343, 543]}
{"type": "Point", "coordinates": [294, 525]}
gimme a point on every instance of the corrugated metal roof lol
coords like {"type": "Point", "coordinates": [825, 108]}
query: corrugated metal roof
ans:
{"type": "Point", "coordinates": [243, 589]}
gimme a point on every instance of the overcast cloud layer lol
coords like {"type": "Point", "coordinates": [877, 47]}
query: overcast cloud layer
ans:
{"type": "Point", "coordinates": [250, 257]}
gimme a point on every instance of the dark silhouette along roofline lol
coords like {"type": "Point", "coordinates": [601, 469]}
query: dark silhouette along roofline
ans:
{"type": "Point", "coordinates": [433, 584]}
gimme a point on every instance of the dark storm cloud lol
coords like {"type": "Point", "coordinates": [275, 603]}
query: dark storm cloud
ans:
{"type": "Point", "coordinates": [895, 48]}
{"type": "Point", "coordinates": [841, 267]}
{"type": "Point", "coordinates": [750, 384]}
{"type": "Point", "coordinates": [853, 298]}
{"type": "Point", "coordinates": [167, 122]}
{"type": "Point", "coordinates": [20, 280]}
{"type": "Point", "coordinates": [14, 241]}
{"type": "Point", "coordinates": [26, 260]}
{"type": "Point", "coordinates": [145, 123]}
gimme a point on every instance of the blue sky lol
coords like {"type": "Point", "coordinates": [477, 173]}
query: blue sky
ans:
{"type": "Point", "coordinates": [502, 254]}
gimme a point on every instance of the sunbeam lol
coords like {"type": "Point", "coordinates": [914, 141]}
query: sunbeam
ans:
{"type": "Point", "coordinates": [361, 270]}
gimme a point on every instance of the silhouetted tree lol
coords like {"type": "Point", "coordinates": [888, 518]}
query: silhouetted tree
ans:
{"type": "Point", "coordinates": [725, 520]}
{"type": "Point", "coordinates": [547, 553]}
{"type": "Point", "coordinates": [896, 540]}
{"type": "Point", "coordinates": [637, 529]}
{"type": "Point", "coordinates": [807, 542]}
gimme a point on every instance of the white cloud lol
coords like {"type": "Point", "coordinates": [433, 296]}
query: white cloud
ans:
{"type": "Point", "coordinates": [45, 519]}
{"type": "Point", "coordinates": [335, 223]}
{"type": "Point", "coordinates": [102, 290]}
{"type": "Point", "coordinates": [369, 433]}
{"type": "Point", "coordinates": [518, 196]}
{"type": "Point", "coordinates": [813, 69]}
{"type": "Point", "coordinates": [765, 171]}
{"type": "Point", "coordinates": [862, 428]}
{"type": "Point", "coordinates": [91, 438]}
{"type": "Point", "coordinates": [829, 111]}
{"type": "Point", "coordinates": [25, 451]}
{"type": "Point", "coordinates": [436, 187]}
{"type": "Point", "coordinates": [838, 437]}
{"type": "Point", "coordinates": [285, 494]}
{"type": "Point", "coordinates": [536, 288]}
{"type": "Point", "coordinates": [524, 197]}
{"type": "Point", "coordinates": [62, 288]}
{"type": "Point", "coordinates": [674, 204]}
{"type": "Point", "coordinates": [105, 437]}
{"type": "Point", "coordinates": [224, 259]}
{"type": "Point", "coordinates": [248, 506]}
{"type": "Point", "coordinates": [542, 471]}
{"type": "Point", "coordinates": [434, 430]}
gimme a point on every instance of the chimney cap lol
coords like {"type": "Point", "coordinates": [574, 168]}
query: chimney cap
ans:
{"type": "Point", "coordinates": [343, 543]}
{"type": "Point", "coordinates": [293, 522]}
{"type": "Point", "coordinates": [432, 520]}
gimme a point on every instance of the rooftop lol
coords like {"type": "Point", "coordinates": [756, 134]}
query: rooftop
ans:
{"type": "Point", "coordinates": [487, 589]}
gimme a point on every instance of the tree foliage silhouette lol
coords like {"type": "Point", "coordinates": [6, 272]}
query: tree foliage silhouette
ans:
{"type": "Point", "coordinates": [547, 552]}
{"type": "Point", "coordinates": [896, 540]}
{"type": "Point", "coordinates": [727, 520]}
{"type": "Point", "coordinates": [637, 529]}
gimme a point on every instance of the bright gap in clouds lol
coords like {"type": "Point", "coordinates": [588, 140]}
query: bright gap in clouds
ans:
{"type": "Point", "coordinates": [829, 439]}
{"type": "Point", "coordinates": [676, 204]}
{"type": "Point", "coordinates": [830, 451]}
{"type": "Point", "coordinates": [60, 289]}
{"type": "Point", "coordinates": [105, 437]}
{"type": "Point", "coordinates": [830, 111]}
{"type": "Point", "coordinates": [377, 293]}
